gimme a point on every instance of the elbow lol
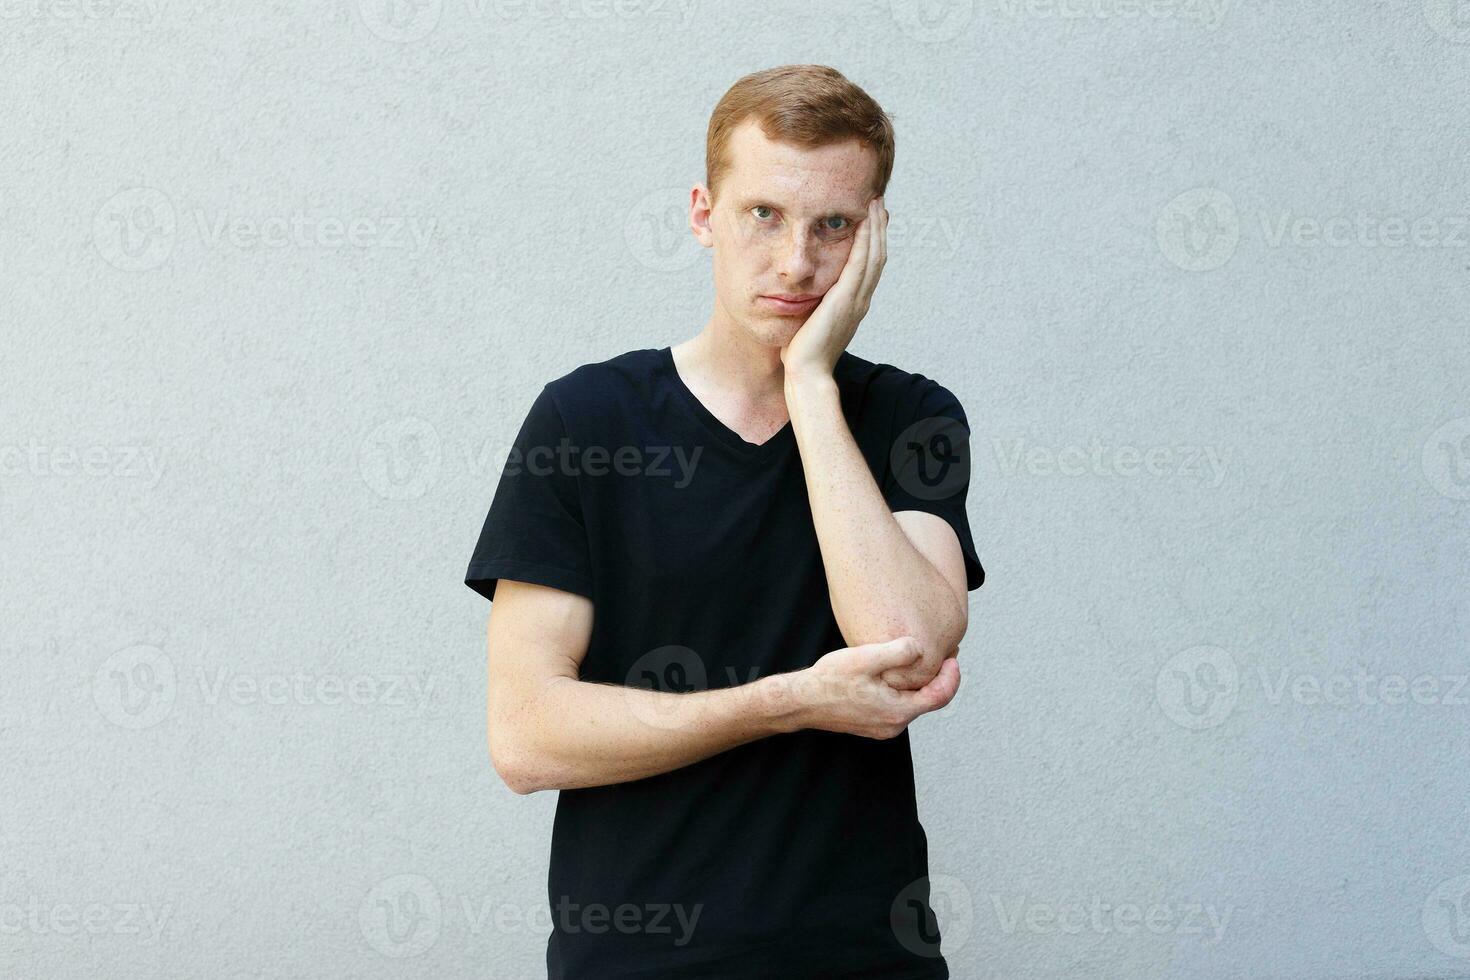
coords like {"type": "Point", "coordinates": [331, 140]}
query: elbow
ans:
{"type": "Point", "coordinates": [938, 623]}
{"type": "Point", "coordinates": [510, 766]}
{"type": "Point", "coordinates": [942, 637]}
{"type": "Point", "coordinates": [511, 775]}
{"type": "Point", "coordinates": [953, 630]}
{"type": "Point", "coordinates": [521, 757]}
{"type": "Point", "coordinates": [931, 635]}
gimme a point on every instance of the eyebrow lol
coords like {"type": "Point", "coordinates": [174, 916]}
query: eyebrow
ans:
{"type": "Point", "coordinates": [747, 202]}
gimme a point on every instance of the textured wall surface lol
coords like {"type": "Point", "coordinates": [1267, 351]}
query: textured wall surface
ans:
{"type": "Point", "coordinates": [279, 281]}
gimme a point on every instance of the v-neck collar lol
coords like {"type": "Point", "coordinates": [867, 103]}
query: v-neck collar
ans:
{"type": "Point", "coordinates": [710, 421]}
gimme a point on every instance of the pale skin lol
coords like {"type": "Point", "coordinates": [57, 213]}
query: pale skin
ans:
{"type": "Point", "coordinates": [896, 580]}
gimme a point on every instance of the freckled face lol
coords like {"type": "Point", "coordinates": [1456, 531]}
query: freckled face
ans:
{"type": "Point", "coordinates": [783, 225]}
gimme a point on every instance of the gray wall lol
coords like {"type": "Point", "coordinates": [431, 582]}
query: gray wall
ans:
{"type": "Point", "coordinates": [280, 282]}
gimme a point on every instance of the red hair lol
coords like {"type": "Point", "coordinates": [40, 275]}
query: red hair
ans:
{"type": "Point", "coordinates": [808, 105]}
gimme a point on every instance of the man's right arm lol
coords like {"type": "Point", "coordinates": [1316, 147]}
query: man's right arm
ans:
{"type": "Point", "coordinates": [547, 729]}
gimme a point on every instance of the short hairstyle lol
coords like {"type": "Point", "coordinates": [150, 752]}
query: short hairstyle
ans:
{"type": "Point", "coordinates": [808, 105]}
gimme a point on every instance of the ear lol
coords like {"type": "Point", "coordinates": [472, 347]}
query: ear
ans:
{"type": "Point", "coordinates": [701, 210]}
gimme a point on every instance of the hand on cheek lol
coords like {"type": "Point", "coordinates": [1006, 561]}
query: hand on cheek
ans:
{"type": "Point", "coordinates": [830, 327]}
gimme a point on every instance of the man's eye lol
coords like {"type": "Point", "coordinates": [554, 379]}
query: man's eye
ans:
{"type": "Point", "coordinates": [758, 208]}
{"type": "Point", "coordinates": [827, 227]}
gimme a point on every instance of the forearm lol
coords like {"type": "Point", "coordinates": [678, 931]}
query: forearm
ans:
{"type": "Point", "coordinates": [573, 733]}
{"type": "Point", "coordinates": [880, 584]}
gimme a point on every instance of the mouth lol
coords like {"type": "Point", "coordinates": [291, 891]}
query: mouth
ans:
{"type": "Point", "coordinates": [789, 305]}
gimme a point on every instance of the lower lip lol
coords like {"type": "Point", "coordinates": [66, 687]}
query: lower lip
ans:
{"type": "Point", "coordinates": [782, 306]}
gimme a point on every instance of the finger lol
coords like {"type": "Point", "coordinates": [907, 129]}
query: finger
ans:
{"type": "Point", "coordinates": [879, 248]}
{"type": "Point", "coordinates": [854, 270]}
{"type": "Point", "coordinates": [899, 652]}
{"type": "Point", "coordinates": [873, 258]}
{"type": "Point", "coordinates": [902, 679]}
{"type": "Point", "coordinates": [882, 233]}
{"type": "Point", "coordinates": [941, 690]}
{"type": "Point", "coordinates": [862, 250]}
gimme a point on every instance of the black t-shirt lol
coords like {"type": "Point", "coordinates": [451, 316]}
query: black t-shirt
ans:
{"type": "Point", "coordinates": [794, 856]}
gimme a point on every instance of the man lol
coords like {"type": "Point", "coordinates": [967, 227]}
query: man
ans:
{"type": "Point", "coordinates": [730, 573]}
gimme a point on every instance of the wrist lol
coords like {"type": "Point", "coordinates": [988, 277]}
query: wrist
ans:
{"type": "Point", "coordinates": [807, 378]}
{"type": "Point", "coordinates": [808, 383]}
{"type": "Point", "coordinates": [778, 700]}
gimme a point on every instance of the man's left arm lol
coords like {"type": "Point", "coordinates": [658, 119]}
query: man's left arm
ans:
{"type": "Point", "coordinates": [889, 574]}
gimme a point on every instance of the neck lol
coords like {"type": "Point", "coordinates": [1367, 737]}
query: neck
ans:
{"type": "Point", "coordinates": [728, 356]}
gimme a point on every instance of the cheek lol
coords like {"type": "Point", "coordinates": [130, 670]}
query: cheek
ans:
{"type": "Point", "coordinates": [753, 245]}
{"type": "Point", "coordinates": [833, 260]}
{"type": "Point", "coordinates": [739, 269]}
{"type": "Point", "coordinates": [750, 253]}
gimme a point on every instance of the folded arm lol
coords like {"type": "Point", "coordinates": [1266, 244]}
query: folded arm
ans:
{"type": "Point", "coordinates": [548, 729]}
{"type": "Point", "coordinates": [888, 574]}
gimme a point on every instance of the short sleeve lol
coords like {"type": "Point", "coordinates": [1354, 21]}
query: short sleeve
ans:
{"type": "Point", "coordinates": [534, 531]}
{"type": "Point", "coordinates": [929, 465]}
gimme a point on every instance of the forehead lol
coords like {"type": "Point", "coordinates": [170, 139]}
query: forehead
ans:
{"type": "Point", "coordinates": [838, 175]}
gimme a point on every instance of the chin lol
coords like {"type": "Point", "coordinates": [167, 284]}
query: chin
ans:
{"type": "Point", "coordinates": [774, 331]}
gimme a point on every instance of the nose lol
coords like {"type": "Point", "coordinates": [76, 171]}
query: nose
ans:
{"type": "Point", "coordinates": [796, 258]}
